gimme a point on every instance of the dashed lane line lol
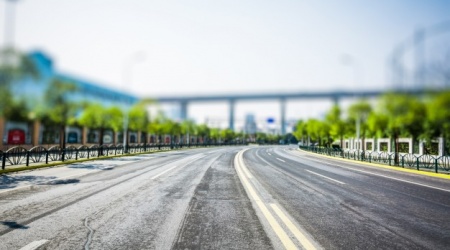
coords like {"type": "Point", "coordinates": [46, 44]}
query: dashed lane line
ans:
{"type": "Point", "coordinates": [281, 160]}
{"type": "Point", "coordinates": [323, 176]}
{"type": "Point", "coordinates": [34, 245]}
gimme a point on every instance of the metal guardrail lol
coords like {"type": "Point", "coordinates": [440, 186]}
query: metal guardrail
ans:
{"type": "Point", "coordinates": [39, 154]}
{"type": "Point", "coordinates": [427, 162]}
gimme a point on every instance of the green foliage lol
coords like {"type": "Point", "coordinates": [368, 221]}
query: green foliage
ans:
{"type": "Point", "coordinates": [138, 118]}
{"type": "Point", "coordinates": [361, 110]}
{"type": "Point", "coordinates": [14, 66]}
{"type": "Point", "coordinates": [227, 135]}
{"type": "Point", "coordinates": [438, 116]}
{"type": "Point", "coordinates": [337, 125]}
{"type": "Point", "coordinates": [300, 131]}
{"type": "Point", "coordinates": [96, 116]}
{"type": "Point", "coordinates": [406, 115]}
{"type": "Point", "coordinates": [58, 108]}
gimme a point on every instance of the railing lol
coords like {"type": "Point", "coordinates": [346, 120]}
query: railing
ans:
{"type": "Point", "coordinates": [39, 154]}
{"type": "Point", "coordinates": [424, 162]}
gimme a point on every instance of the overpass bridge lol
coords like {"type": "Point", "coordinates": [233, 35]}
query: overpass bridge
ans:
{"type": "Point", "coordinates": [282, 97]}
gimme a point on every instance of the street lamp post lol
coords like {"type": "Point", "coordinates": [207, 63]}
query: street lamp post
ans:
{"type": "Point", "coordinates": [9, 23]}
{"type": "Point", "coordinates": [357, 78]}
{"type": "Point", "coordinates": [127, 74]}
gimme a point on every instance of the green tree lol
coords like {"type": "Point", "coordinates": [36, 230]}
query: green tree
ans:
{"type": "Point", "coordinates": [187, 129]}
{"type": "Point", "coordinates": [203, 131]}
{"type": "Point", "coordinates": [59, 109]}
{"type": "Point", "coordinates": [406, 115]}
{"type": "Point", "coordinates": [96, 116]}
{"type": "Point", "coordinates": [14, 67]}
{"type": "Point", "coordinates": [300, 131]}
{"type": "Point", "coordinates": [338, 127]}
{"type": "Point", "coordinates": [359, 112]}
{"type": "Point", "coordinates": [318, 131]}
{"type": "Point", "coordinates": [227, 135]}
{"type": "Point", "coordinates": [438, 117]}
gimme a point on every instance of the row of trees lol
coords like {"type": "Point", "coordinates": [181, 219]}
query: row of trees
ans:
{"type": "Point", "coordinates": [60, 108]}
{"type": "Point", "coordinates": [395, 115]}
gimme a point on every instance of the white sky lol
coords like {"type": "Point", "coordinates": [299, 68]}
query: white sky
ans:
{"type": "Point", "coordinates": [201, 47]}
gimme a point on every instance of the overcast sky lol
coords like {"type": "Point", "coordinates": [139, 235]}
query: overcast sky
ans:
{"type": "Point", "coordinates": [218, 46]}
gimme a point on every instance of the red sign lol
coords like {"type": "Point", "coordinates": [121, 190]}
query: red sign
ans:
{"type": "Point", "coordinates": [16, 136]}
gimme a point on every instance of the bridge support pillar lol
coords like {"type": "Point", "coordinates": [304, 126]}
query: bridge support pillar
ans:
{"type": "Point", "coordinates": [283, 115]}
{"type": "Point", "coordinates": [231, 114]}
{"type": "Point", "coordinates": [336, 101]}
{"type": "Point", "coordinates": [183, 110]}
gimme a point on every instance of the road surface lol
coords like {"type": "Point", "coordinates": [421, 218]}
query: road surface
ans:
{"type": "Point", "coordinates": [271, 197]}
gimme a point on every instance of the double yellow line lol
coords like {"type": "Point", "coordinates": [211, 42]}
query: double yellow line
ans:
{"type": "Point", "coordinates": [245, 177]}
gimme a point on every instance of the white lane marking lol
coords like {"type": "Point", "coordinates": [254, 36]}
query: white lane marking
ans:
{"type": "Point", "coordinates": [397, 179]}
{"type": "Point", "coordinates": [284, 238]}
{"type": "Point", "coordinates": [163, 172]}
{"type": "Point", "coordinates": [306, 243]}
{"type": "Point", "coordinates": [281, 160]}
{"type": "Point", "coordinates": [326, 177]}
{"type": "Point", "coordinates": [34, 245]}
{"type": "Point", "coordinates": [269, 153]}
{"type": "Point", "coordinates": [385, 176]}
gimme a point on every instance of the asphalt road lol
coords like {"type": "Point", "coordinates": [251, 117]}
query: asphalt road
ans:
{"type": "Point", "coordinates": [223, 198]}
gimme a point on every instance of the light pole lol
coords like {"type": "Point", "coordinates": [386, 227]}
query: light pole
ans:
{"type": "Point", "coordinates": [127, 74]}
{"type": "Point", "coordinates": [9, 23]}
{"type": "Point", "coordinates": [349, 60]}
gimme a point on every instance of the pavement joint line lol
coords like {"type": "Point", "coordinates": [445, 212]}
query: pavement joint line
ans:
{"type": "Point", "coordinates": [282, 235]}
{"type": "Point", "coordinates": [281, 160]}
{"type": "Point", "coordinates": [400, 169]}
{"type": "Point", "coordinates": [326, 177]}
{"type": "Point", "coordinates": [34, 245]}
{"type": "Point", "coordinates": [306, 243]}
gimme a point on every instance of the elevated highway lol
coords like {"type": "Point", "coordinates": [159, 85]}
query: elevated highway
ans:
{"type": "Point", "coordinates": [282, 97]}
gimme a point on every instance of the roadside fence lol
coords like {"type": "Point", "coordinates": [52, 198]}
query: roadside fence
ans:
{"type": "Point", "coordinates": [20, 156]}
{"type": "Point", "coordinates": [419, 162]}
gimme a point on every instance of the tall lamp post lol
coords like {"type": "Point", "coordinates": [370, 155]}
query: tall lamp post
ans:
{"type": "Point", "coordinates": [349, 60]}
{"type": "Point", "coordinates": [9, 23]}
{"type": "Point", "coordinates": [127, 74]}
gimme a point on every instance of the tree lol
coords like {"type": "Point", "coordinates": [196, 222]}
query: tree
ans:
{"type": "Point", "coordinates": [203, 131]}
{"type": "Point", "coordinates": [318, 131]}
{"type": "Point", "coordinates": [406, 115]}
{"type": "Point", "coordinates": [300, 132]}
{"type": "Point", "coordinates": [14, 66]}
{"type": "Point", "coordinates": [227, 134]}
{"type": "Point", "coordinates": [187, 129]}
{"type": "Point", "coordinates": [59, 109]}
{"type": "Point", "coordinates": [138, 119]}
{"type": "Point", "coordinates": [96, 116]}
{"type": "Point", "coordinates": [337, 126]}
{"type": "Point", "coordinates": [359, 113]}
{"type": "Point", "coordinates": [438, 117]}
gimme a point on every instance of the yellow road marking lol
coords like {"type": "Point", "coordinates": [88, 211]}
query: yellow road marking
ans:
{"type": "Point", "coordinates": [306, 243]}
{"type": "Point", "coordinates": [284, 238]}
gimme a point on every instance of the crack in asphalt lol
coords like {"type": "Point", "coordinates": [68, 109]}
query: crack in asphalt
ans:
{"type": "Point", "coordinates": [91, 232]}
